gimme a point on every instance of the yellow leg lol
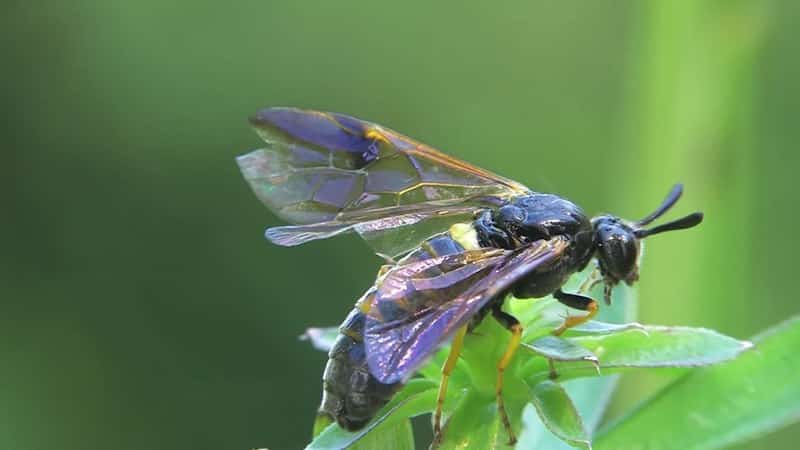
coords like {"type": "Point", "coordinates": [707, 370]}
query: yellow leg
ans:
{"type": "Point", "coordinates": [384, 268]}
{"type": "Point", "coordinates": [447, 368]}
{"type": "Point", "coordinates": [513, 344]}
{"type": "Point", "coordinates": [571, 321]}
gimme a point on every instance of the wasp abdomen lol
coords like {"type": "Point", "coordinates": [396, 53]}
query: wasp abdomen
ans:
{"type": "Point", "coordinates": [351, 395]}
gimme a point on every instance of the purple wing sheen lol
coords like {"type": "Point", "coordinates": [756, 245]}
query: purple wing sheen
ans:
{"type": "Point", "coordinates": [415, 307]}
{"type": "Point", "coordinates": [328, 172]}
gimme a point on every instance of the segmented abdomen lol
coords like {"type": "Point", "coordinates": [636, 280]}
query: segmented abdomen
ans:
{"type": "Point", "coordinates": [350, 394]}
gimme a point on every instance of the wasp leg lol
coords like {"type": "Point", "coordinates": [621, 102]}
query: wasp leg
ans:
{"type": "Point", "coordinates": [592, 279]}
{"type": "Point", "coordinates": [576, 301]}
{"type": "Point", "coordinates": [607, 293]}
{"type": "Point", "coordinates": [384, 268]}
{"type": "Point", "coordinates": [512, 324]}
{"type": "Point", "coordinates": [447, 368]}
{"type": "Point", "coordinates": [391, 262]}
{"type": "Point", "coordinates": [553, 374]}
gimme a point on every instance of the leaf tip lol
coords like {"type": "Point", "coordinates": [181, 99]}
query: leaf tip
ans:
{"type": "Point", "coordinates": [320, 338]}
{"type": "Point", "coordinates": [581, 443]}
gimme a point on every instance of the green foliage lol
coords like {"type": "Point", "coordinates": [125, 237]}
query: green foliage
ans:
{"type": "Point", "coordinates": [399, 436]}
{"type": "Point", "coordinates": [648, 347]}
{"type": "Point", "coordinates": [141, 307]}
{"type": "Point", "coordinates": [413, 400]}
{"type": "Point", "coordinates": [717, 406]}
{"type": "Point", "coordinates": [559, 414]}
{"type": "Point", "coordinates": [563, 411]}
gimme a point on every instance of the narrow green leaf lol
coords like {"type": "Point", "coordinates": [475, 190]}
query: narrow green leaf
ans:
{"type": "Point", "coordinates": [657, 347]}
{"type": "Point", "coordinates": [597, 327]}
{"type": "Point", "coordinates": [556, 348]}
{"type": "Point", "coordinates": [713, 407]}
{"type": "Point", "coordinates": [558, 414]}
{"type": "Point", "coordinates": [418, 397]}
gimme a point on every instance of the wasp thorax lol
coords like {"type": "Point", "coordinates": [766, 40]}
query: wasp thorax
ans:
{"type": "Point", "coordinates": [617, 249]}
{"type": "Point", "coordinates": [510, 217]}
{"type": "Point", "coordinates": [542, 216]}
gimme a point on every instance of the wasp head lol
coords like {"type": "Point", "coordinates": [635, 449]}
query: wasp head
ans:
{"type": "Point", "coordinates": [618, 241]}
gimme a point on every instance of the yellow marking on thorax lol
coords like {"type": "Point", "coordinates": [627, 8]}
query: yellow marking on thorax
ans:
{"type": "Point", "coordinates": [465, 235]}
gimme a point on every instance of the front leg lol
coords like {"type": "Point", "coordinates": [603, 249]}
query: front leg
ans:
{"type": "Point", "coordinates": [592, 279]}
{"type": "Point", "coordinates": [577, 301]}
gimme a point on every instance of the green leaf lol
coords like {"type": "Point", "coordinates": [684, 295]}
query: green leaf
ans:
{"type": "Point", "coordinates": [321, 422]}
{"type": "Point", "coordinates": [321, 338]}
{"type": "Point", "coordinates": [558, 414]}
{"type": "Point", "coordinates": [399, 436]}
{"type": "Point", "coordinates": [536, 315]}
{"type": "Point", "coordinates": [474, 423]}
{"type": "Point", "coordinates": [590, 395]}
{"type": "Point", "coordinates": [417, 397]}
{"type": "Point", "coordinates": [558, 349]}
{"type": "Point", "coordinates": [597, 327]}
{"type": "Point", "coordinates": [658, 347]}
{"type": "Point", "coordinates": [713, 407]}
{"type": "Point", "coordinates": [663, 347]}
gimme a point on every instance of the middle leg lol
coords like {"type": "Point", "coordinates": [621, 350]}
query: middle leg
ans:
{"type": "Point", "coordinates": [447, 368]}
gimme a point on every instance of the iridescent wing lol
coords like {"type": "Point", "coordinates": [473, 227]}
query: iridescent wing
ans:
{"type": "Point", "coordinates": [330, 173]}
{"type": "Point", "coordinates": [414, 308]}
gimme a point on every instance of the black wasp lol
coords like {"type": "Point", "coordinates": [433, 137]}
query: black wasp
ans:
{"type": "Point", "coordinates": [458, 238]}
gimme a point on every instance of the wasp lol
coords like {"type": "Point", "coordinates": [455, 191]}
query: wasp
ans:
{"type": "Point", "coordinates": [457, 240]}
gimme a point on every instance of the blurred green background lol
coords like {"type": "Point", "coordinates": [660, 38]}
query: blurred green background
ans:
{"type": "Point", "coordinates": [141, 306]}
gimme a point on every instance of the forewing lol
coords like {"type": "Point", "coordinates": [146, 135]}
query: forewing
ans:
{"type": "Point", "coordinates": [416, 307]}
{"type": "Point", "coordinates": [328, 172]}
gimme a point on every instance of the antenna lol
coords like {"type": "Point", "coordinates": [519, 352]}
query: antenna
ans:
{"type": "Point", "coordinates": [689, 221]}
{"type": "Point", "coordinates": [671, 199]}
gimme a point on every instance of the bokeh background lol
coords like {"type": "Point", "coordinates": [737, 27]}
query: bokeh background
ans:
{"type": "Point", "coordinates": [140, 306]}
